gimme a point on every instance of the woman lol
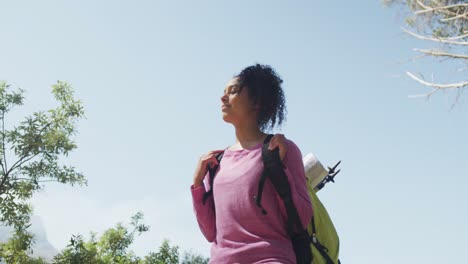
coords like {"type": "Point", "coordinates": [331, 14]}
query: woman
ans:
{"type": "Point", "coordinates": [253, 102]}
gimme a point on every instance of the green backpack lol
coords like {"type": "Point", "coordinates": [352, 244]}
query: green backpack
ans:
{"type": "Point", "coordinates": [324, 238]}
{"type": "Point", "coordinates": [319, 243]}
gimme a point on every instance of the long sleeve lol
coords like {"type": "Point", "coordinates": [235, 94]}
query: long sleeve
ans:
{"type": "Point", "coordinates": [294, 170]}
{"type": "Point", "coordinates": [205, 213]}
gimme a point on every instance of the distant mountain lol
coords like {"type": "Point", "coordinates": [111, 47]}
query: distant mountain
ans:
{"type": "Point", "coordinates": [42, 247]}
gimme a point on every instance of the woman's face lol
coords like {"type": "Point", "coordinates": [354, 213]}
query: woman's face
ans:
{"type": "Point", "coordinates": [236, 105]}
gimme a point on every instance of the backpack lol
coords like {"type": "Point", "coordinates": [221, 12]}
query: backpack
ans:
{"type": "Point", "coordinates": [319, 243]}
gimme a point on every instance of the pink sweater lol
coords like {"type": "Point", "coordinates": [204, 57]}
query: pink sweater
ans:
{"type": "Point", "coordinates": [235, 224]}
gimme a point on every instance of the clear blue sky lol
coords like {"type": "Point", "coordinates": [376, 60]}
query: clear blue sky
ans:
{"type": "Point", "coordinates": [150, 74]}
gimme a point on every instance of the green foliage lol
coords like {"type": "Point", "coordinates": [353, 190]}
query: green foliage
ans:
{"type": "Point", "coordinates": [29, 156]}
{"type": "Point", "coordinates": [18, 248]}
{"type": "Point", "coordinates": [192, 258]}
{"type": "Point", "coordinates": [166, 255]}
{"type": "Point", "coordinates": [30, 152]}
{"type": "Point", "coordinates": [79, 251]}
{"type": "Point", "coordinates": [111, 247]}
{"type": "Point", "coordinates": [114, 243]}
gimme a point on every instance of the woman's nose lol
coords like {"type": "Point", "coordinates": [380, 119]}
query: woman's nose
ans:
{"type": "Point", "coordinates": [224, 98]}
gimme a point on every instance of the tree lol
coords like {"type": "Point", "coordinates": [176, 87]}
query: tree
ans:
{"type": "Point", "coordinates": [166, 255]}
{"type": "Point", "coordinates": [193, 258]}
{"type": "Point", "coordinates": [444, 24]}
{"type": "Point", "coordinates": [29, 156]}
{"type": "Point", "coordinates": [79, 251]}
{"type": "Point", "coordinates": [111, 247]}
{"type": "Point", "coordinates": [30, 152]}
{"type": "Point", "coordinates": [17, 249]}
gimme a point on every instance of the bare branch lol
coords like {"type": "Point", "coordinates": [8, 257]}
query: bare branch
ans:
{"type": "Point", "coordinates": [454, 6]}
{"type": "Point", "coordinates": [425, 8]}
{"type": "Point", "coordinates": [442, 54]}
{"type": "Point", "coordinates": [412, 59]}
{"type": "Point", "coordinates": [428, 95]}
{"type": "Point", "coordinates": [457, 98]}
{"type": "Point", "coordinates": [464, 16]}
{"type": "Point", "coordinates": [442, 40]}
{"type": "Point", "coordinates": [458, 37]}
{"type": "Point", "coordinates": [437, 85]}
{"type": "Point", "coordinates": [438, 8]}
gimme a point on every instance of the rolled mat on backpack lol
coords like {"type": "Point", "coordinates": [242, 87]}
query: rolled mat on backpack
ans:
{"type": "Point", "coordinates": [314, 170]}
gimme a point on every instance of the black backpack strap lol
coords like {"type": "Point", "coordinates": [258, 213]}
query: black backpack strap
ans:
{"type": "Point", "coordinates": [261, 183]}
{"type": "Point", "coordinates": [275, 172]}
{"type": "Point", "coordinates": [212, 173]}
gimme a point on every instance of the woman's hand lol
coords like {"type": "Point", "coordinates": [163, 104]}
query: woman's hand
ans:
{"type": "Point", "coordinates": [202, 167]}
{"type": "Point", "coordinates": [279, 141]}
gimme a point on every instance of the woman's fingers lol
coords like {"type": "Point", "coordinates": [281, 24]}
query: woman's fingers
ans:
{"type": "Point", "coordinates": [212, 161]}
{"type": "Point", "coordinates": [279, 141]}
{"type": "Point", "coordinates": [210, 158]}
{"type": "Point", "coordinates": [206, 161]}
{"type": "Point", "coordinates": [215, 151]}
{"type": "Point", "coordinates": [210, 154]}
{"type": "Point", "coordinates": [276, 141]}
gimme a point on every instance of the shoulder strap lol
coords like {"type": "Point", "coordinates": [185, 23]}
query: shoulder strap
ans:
{"type": "Point", "coordinates": [212, 173]}
{"type": "Point", "coordinates": [273, 169]}
{"type": "Point", "coordinates": [261, 184]}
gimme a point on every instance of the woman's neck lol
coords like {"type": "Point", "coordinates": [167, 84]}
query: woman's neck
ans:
{"type": "Point", "coordinates": [248, 137]}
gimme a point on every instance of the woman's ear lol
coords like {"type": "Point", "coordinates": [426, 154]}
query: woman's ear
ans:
{"type": "Point", "coordinates": [256, 107]}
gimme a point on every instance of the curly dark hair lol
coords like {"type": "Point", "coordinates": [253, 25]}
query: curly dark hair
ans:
{"type": "Point", "coordinates": [264, 87]}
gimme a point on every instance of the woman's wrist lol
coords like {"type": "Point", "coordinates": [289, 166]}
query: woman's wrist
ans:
{"type": "Point", "coordinates": [197, 183]}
